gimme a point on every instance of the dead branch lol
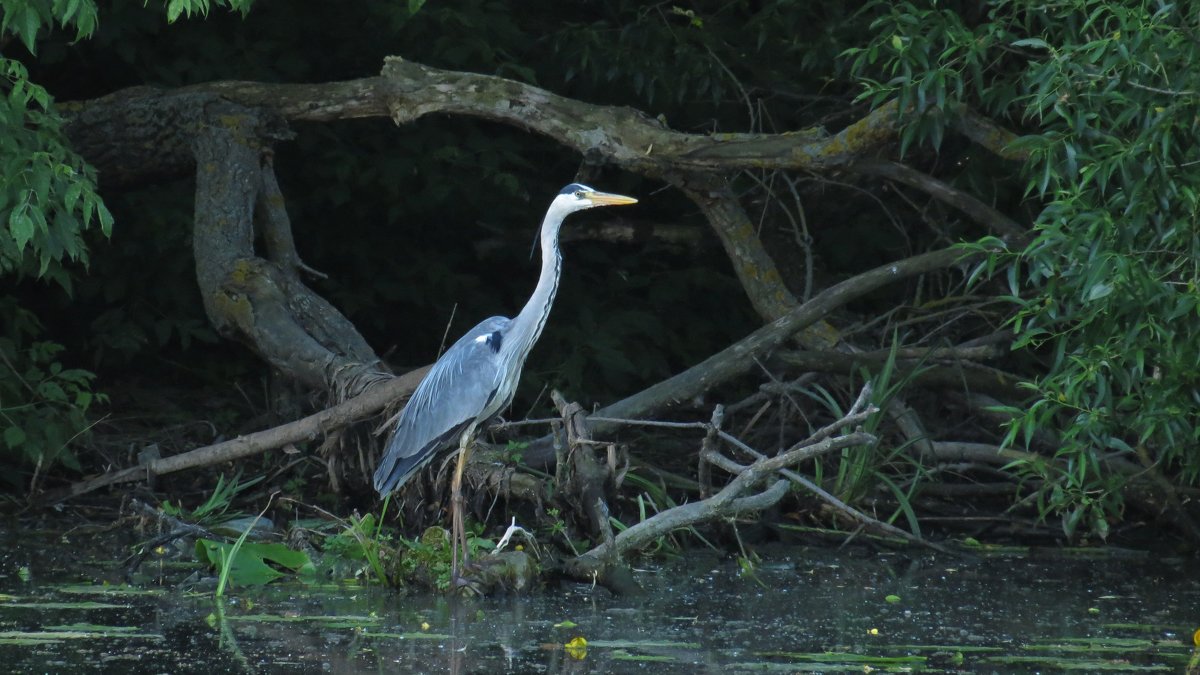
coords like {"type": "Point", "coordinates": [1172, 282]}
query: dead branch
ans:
{"type": "Point", "coordinates": [939, 369]}
{"type": "Point", "coordinates": [588, 477]}
{"type": "Point", "coordinates": [176, 529]}
{"type": "Point", "coordinates": [742, 495]}
{"type": "Point", "coordinates": [983, 453]}
{"type": "Point", "coordinates": [981, 213]}
{"type": "Point", "coordinates": [371, 401]}
{"type": "Point", "coordinates": [755, 269]}
{"type": "Point", "coordinates": [145, 145]}
{"type": "Point", "coordinates": [988, 135]}
{"type": "Point", "coordinates": [871, 524]}
{"type": "Point", "coordinates": [739, 358]}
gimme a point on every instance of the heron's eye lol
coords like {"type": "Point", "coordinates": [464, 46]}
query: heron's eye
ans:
{"type": "Point", "coordinates": [579, 194]}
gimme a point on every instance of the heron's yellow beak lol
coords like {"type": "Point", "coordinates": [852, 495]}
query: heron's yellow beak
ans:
{"type": "Point", "coordinates": [608, 199]}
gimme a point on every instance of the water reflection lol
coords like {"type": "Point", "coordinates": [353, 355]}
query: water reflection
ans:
{"type": "Point", "coordinates": [805, 610]}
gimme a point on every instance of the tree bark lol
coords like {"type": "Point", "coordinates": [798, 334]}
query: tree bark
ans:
{"type": "Point", "coordinates": [133, 136]}
{"type": "Point", "coordinates": [143, 134]}
{"type": "Point", "coordinates": [260, 302]}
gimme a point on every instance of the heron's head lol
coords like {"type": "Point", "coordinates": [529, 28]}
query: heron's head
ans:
{"type": "Point", "coordinates": [576, 197]}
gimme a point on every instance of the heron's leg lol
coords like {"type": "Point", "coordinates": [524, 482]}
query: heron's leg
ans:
{"type": "Point", "coordinates": [458, 533]}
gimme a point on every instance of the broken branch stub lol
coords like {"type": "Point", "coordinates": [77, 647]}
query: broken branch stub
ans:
{"type": "Point", "coordinates": [587, 478]}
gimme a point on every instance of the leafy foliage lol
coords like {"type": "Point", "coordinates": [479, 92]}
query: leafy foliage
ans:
{"type": "Point", "coordinates": [1107, 286]}
{"type": "Point", "coordinates": [426, 561]}
{"type": "Point", "coordinates": [43, 406]}
{"type": "Point", "coordinates": [48, 195]}
{"type": "Point", "coordinates": [177, 8]}
{"type": "Point", "coordinates": [362, 543]}
{"type": "Point", "coordinates": [27, 18]}
{"type": "Point", "coordinates": [215, 509]}
{"type": "Point", "coordinates": [47, 200]}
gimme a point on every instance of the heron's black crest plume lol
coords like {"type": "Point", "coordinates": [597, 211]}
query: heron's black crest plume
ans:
{"type": "Point", "coordinates": [574, 187]}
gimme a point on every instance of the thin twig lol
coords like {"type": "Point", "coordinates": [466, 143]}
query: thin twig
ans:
{"type": "Point", "coordinates": [650, 423]}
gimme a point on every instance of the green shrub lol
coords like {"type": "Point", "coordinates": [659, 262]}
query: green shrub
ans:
{"type": "Point", "coordinates": [43, 406]}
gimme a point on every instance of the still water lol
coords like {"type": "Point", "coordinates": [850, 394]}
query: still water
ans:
{"type": "Point", "coordinates": [802, 610]}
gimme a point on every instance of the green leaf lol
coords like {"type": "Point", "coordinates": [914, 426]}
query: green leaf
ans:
{"type": "Point", "coordinates": [250, 566]}
{"type": "Point", "coordinates": [69, 11]}
{"type": "Point", "coordinates": [1098, 291]}
{"type": "Point", "coordinates": [175, 8]}
{"type": "Point", "coordinates": [1032, 42]}
{"type": "Point", "coordinates": [21, 226]}
{"type": "Point", "coordinates": [51, 391]}
{"type": "Point", "coordinates": [14, 437]}
{"type": "Point", "coordinates": [71, 198]}
{"type": "Point", "coordinates": [28, 30]}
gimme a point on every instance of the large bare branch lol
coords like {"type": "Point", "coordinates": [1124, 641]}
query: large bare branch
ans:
{"type": "Point", "coordinates": [261, 302]}
{"type": "Point", "coordinates": [623, 136]}
{"type": "Point", "coordinates": [738, 358]}
{"type": "Point", "coordinates": [133, 134]}
{"type": "Point", "coordinates": [370, 402]}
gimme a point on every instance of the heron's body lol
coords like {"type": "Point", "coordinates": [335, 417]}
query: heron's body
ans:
{"type": "Point", "coordinates": [477, 377]}
{"type": "Point", "coordinates": [425, 426]}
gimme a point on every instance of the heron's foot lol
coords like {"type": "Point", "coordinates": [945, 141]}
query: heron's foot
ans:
{"type": "Point", "coordinates": [466, 586]}
{"type": "Point", "coordinates": [465, 579]}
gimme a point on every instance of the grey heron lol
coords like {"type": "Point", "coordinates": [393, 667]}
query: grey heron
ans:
{"type": "Point", "coordinates": [476, 378]}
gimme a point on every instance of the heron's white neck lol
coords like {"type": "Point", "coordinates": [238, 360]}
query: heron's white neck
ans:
{"type": "Point", "coordinates": [528, 325]}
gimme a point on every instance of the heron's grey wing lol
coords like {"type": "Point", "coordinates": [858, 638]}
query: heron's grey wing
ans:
{"type": "Point", "coordinates": [455, 391]}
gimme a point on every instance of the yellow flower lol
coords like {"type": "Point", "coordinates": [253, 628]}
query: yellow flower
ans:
{"type": "Point", "coordinates": [577, 648]}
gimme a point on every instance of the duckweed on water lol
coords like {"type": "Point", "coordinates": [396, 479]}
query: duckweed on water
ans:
{"type": "Point", "coordinates": [816, 614]}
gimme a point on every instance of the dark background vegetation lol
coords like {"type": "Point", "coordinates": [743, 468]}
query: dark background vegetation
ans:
{"type": "Point", "coordinates": [412, 224]}
{"type": "Point", "coordinates": [425, 228]}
